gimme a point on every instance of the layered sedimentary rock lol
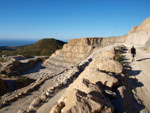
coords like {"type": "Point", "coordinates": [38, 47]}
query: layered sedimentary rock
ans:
{"type": "Point", "coordinates": [76, 50]}
{"type": "Point", "coordinates": [145, 26]}
{"type": "Point", "coordinates": [17, 67]}
{"type": "Point", "coordinates": [140, 35]}
{"type": "Point", "coordinates": [86, 93]}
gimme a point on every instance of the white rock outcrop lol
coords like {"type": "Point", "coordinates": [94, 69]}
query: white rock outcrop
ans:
{"type": "Point", "coordinates": [140, 35]}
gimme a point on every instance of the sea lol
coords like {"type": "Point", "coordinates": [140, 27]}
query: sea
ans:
{"type": "Point", "coordinates": [15, 42]}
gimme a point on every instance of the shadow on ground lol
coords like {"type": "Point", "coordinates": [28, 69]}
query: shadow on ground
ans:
{"type": "Point", "coordinates": [126, 101]}
{"type": "Point", "coordinates": [143, 59]}
{"type": "Point", "coordinates": [35, 69]}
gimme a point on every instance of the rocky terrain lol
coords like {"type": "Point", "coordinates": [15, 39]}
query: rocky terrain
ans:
{"type": "Point", "coordinates": [77, 50]}
{"type": "Point", "coordinates": [89, 75]}
{"type": "Point", "coordinates": [140, 35]}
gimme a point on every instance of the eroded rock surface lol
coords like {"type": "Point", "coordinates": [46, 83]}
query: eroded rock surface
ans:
{"type": "Point", "coordinates": [85, 94]}
{"type": "Point", "coordinates": [77, 50]}
{"type": "Point", "coordinates": [140, 35]}
{"type": "Point", "coordinates": [17, 67]}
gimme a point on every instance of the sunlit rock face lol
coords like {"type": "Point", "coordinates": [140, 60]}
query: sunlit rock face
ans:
{"type": "Point", "coordinates": [140, 35]}
{"type": "Point", "coordinates": [86, 93]}
{"type": "Point", "coordinates": [76, 50]}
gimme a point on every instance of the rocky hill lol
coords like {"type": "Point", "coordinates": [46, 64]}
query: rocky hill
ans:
{"type": "Point", "coordinates": [44, 47]}
{"type": "Point", "coordinates": [77, 50]}
{"type": "Point", "coordinates": [89, 75]}
{"type": "Point", "coordinates": [140, 35]}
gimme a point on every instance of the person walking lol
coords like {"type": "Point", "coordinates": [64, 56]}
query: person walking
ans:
{"type": "Point", "coordinates": [133, 53]}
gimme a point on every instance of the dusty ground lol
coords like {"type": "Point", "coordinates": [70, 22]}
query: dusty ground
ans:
{"type": "Point", "coordinates": [23, 103]}
{"type": "Point", "coordinates": [139, 81]}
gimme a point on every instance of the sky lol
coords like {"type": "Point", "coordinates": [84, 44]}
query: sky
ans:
{"type": "Point", "coordinates": [67, 19]}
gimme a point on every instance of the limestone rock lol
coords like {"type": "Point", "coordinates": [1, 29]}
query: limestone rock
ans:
{"type": "Point", "coordinates": [87, 103]}
{"type": "Point", "coordinates": [77, 50]}
{"type": "Point", "coordinates": [110, 66]}
{"type": "Point", "coordinates": [87, 94]}
{"type": "Point", "coordinates": [43, 97]}
{"type": "Point", "coordinates": [22, 111]}
{"type": "Point", "coordinates": [145, 26]}
{"type": "Point", "coordinates": [105, 79]}
{"type": "Point", "coordinates": [17, 67]}
{"type": "Point", "coordinates": [140, 35]}
{"type": "Point", "coordinates": [57, 108]}
{"type": "Point", "coordinates": [135, 38]}
{"type": "Point", "coordinates": [109, 54]}
{"type": "Point", "coordinates": [34, 104]}
{"type": "Point", "coordinates": [122, 90]}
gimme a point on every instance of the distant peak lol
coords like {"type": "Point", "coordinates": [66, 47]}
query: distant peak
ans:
{"type": "Point", "coordinates": [145, 26]}
{"type": "Point", "coordinates": [146, 21]}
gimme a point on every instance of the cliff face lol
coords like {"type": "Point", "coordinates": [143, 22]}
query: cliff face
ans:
{"type": "Point", "coordinates": [87, 94]}
{"type": "Point", "coordinates": [140, 35]}
{"type": "Point", "coordinates": [145, 26]}
{"type": "Point", "coordinates": [76, 50]}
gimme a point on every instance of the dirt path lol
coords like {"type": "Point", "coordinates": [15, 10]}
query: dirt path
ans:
{"type": "Point", "coordinates": [141, 79]}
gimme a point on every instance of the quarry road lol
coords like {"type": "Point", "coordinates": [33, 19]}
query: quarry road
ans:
{"type": "Point", "coordinates": [141, 75]}
{"type": "Point", "coordinates": [23, 103]}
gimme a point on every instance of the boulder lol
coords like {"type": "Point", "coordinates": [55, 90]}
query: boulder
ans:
{"type": "Point", "coordinates": [83, 98]}
{"type": "Point", "coordinates": [95, 76]}
{"type": "Point", "coordinates": [57, 108]}
{"type": "Point", "coordinates": [110, 66]}
{"type": "Point", "coordinates": [34, 104]}
{"type": "Point", "coordinates": [81, 102]}
{"type": "Point", "coordinates": [43, 97]}
{"type": "Point", "coordinates": [109, 54]}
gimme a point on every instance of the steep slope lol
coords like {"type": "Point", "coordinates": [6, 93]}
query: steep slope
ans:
{"type": "Point", "coordinates": [140, 35]}
{"type": "Point", "coordinates": [85, 94]}
{"type": "Point", "coordinates": [76, 50]}
{"type": "Point", "coordinates": [145, 26]}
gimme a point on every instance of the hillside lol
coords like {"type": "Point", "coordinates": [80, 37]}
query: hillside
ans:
{"type": "Point", "coordinates": [44, 47]}
{"type": "Point", "coordinates": [89, 75]}
{"type": "Point", "coordinates": [140, 35]}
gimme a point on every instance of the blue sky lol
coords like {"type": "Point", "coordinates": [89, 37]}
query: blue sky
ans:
{"type": "Point", "coordinates": [67, 19]}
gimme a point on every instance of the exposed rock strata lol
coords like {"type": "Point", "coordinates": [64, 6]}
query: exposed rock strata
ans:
{"type": "Point", "coordinates": [17, 67]}
{"type": "Point", "coordinates": [67, 76]}
{"type": "Point", "coordinates": [85, 94]}
{"type": "Point", "coordinates": [9, 97]}
{"type": "Point", "coordinates": [77, 50]}
{"type": "Point", "coordinates": [140, 35]}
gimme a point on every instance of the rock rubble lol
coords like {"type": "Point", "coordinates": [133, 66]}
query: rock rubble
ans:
{"type": "Point", "coordinates": [87, 93]}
